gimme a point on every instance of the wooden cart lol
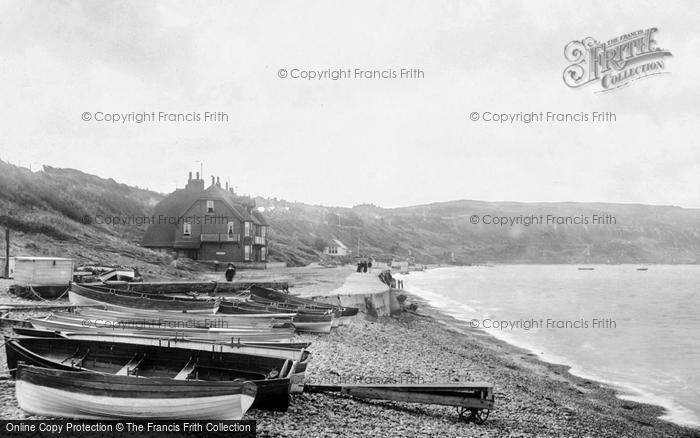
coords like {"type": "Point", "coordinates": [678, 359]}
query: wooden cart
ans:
{"type": "Point", "coordinates": [474, 400]}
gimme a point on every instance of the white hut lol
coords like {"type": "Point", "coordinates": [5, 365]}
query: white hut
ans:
{"type": "Point", "coordinates": [43, 271]}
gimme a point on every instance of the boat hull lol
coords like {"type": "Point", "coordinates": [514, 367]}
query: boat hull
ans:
{"type": "Point", "coordinates": [264, 295]}
{"type": "Point", "coordinates": [212, 335]}
{"type": "Point", "coordinates": [159, 363]}
{"type": "Point", "coordinates": [115, 337]}
{"type": "Point", "coordinates": [69, 394]}
{"type": "Point", "coordinates": [314, 327]}
{"type": "Point", "coordinates": [125, 301]}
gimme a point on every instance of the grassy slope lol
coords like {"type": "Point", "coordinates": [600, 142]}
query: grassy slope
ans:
{"type": "Point", "coordinates": [45, 211]}
{"type": "Point", "coordinates": [430, 233]}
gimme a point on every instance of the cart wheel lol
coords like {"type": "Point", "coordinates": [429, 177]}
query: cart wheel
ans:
{"type": "Point", "coordinates": [469, 415]}
{"type": "Point", "coordinates": [479, 416]}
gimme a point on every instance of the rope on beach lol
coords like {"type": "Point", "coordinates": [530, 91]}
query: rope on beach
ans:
{"type": "Point", "coordinates": [31, 289]}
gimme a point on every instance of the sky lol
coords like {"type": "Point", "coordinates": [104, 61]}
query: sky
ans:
{"type": "Point", "coordinates": [390, 142]}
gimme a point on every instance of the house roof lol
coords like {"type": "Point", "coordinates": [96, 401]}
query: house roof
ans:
{"type": "Point", "coordinates": [338, 243]}
{"type": "Point", "coordinates": [162, 234]}
{"type": "Point", "coordinates": [260, 218]}
{"type": "Point", "coordinates": [176, 205]}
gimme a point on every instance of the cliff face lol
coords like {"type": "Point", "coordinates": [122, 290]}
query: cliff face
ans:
{"type": "Point", "coordinates": [65, 212]}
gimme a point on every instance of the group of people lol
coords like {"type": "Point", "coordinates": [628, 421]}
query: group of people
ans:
{"type": "Point", "coordinates": [396, 283]}
{"type": "Point", "coordinates": [364, 265]}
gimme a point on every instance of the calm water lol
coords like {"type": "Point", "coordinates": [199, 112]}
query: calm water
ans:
{"type": "Point", "coordinates": [646, 341]}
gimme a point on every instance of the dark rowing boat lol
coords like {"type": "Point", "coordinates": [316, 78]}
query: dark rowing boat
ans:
{"type": "Point", "coordinates": [266, 296]}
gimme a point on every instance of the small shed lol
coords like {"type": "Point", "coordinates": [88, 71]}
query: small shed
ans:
{"type": "Point", "coordinates": [12, 267]}
{"type": "Point", "coordinates": [43, 271]}
{"type": "Point", "coordinates": [336, 248]}
{"type": "Point", "coordinates": [402, 267]}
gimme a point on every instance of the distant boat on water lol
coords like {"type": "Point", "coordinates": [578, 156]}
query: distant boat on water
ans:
{"type": "Point", "coordinates": [642, 269]}
{"type": "Point", "coordinates": [586, 269]}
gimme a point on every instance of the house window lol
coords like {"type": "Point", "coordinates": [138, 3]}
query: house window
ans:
{"type": "Point", "coordinates": [263, 254]}
{"type": "Point", "coordinates": [210, 206]}
{"type": "Point", "coordinates": [230, 230]}
{"type": "Point", "coordinates": [246, 252]}
{"type": "Point", "coordinates": [247, 229]}
{"type": "Point", "coordinates": [263, 231]}
{"type": "Point", "coordinates": [187, 229]}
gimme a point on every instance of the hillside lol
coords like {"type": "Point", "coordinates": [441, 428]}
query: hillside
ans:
{"type": "Point", "coordinates": [442, 232]}
{"type": "Point", "coordinates": [54, 212]}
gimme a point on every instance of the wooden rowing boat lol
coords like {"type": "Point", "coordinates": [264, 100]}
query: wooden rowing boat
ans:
{"type": "Point", "coordinates": [27, 330]}
{"type": "Point", "coordinates": [193, 320]}
{"type": "Point", "coordinates": [65, 324]}
{"type": "Point", "coordinates": [120, 300]}
{"type": "Point", "coordinates": [271, 375]}
{"type": "Point", "coordinates": [313, 323]}
{"type": "Point", "coordinates": [305, 320]}
{"type": "Point", "coordinates": [73, 394]}
{"type": "Point", "coordinates": [265, 295]}
{"type": "Point", "coordinates": [297, 352]}
{"type": "Point", "coordinates": [234, 288]}
{"type": "Point", "coordinates": [265, 307]}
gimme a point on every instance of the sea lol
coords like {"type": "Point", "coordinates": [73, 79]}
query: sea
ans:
{"type": "Point", "coordinates": [634, 328]}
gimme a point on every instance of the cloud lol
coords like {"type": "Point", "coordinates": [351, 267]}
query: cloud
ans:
{"type": "Point", "coordinates": [345, 142]}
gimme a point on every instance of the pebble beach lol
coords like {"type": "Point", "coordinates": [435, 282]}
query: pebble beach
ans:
{"type": "Point", "coordinates": [533, 398]}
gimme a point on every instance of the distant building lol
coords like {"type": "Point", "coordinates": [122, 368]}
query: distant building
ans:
{"type": "Point", "coordinates": [400, 266]}
{"type": "Point", "coordinates": [208, 224]}
{"type": "Point", "coordinates": [336, 248]}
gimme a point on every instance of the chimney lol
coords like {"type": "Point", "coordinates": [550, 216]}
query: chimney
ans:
{"type": "Point", "coordinates": [212, 180]}
{"type": "Point", "coordinates": [190, 178]}
{"type": "Point", "coordinates": [197, 175]}
{"type": "Point", "coordinates": [227, 186]}
{"type": "Point", "coordinates": [218, 183]}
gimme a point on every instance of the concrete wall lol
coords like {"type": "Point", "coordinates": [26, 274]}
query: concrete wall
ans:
{"type": "Point", "coordinates": [373, 304]}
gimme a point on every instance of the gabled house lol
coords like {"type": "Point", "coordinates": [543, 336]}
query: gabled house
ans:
{"type": "Point", "coordinates": [210, 223]}
{"type": "Point", "coordinates": [336, 248]}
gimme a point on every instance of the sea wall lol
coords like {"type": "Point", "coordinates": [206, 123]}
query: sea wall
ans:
{"type": "Point", "coordinates": [373, 304]}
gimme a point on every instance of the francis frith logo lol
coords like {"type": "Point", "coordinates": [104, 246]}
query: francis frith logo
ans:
{"type": "Point", "coordinates": [615, 63]}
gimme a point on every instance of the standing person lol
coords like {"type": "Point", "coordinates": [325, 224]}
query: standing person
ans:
{"type": "Point", "coordinates": [230, 272]}
{"type": "Point", "coordinates": [137, 276]}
